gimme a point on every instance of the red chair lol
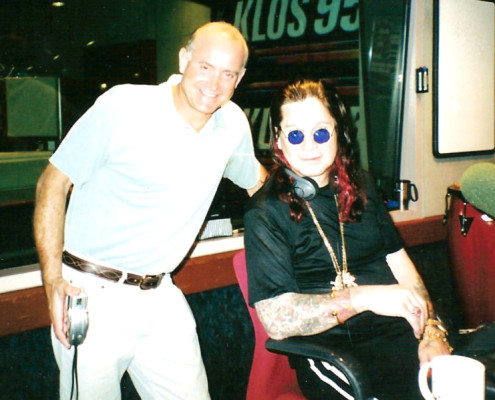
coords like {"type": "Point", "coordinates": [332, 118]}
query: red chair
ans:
{"type": "Point", "coordinates": [271, 376]}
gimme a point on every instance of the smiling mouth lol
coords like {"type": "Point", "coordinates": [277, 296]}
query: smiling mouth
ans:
{"type": "Point", "coordinates": [208, 94]}
{"type": "Point", "coordinates": [311, 159]}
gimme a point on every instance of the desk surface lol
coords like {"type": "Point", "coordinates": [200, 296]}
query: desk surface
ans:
{"type": "Point", "coordinates": [415, 232]}
{"type": "Point", "coordinates": [23, 304]}
{"type": "Point", "coordinates": [29, 276]}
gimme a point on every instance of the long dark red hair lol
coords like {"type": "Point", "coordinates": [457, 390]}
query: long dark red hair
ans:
{"type": "Point", "coordinates": [344, 173]}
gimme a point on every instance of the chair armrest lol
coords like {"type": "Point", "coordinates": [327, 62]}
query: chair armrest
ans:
{"type": "Point", "coordinates": [475, 343]}
{"type": "Point", "coordinates": [341, 359]}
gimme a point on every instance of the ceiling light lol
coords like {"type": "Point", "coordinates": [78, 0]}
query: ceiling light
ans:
{"type": "Point", "coordinates": [58, 4]}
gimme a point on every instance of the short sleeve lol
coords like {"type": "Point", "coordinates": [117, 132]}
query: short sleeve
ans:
{"type": "Point", "coordinates": [268, 256]}
{"type": "Point", "coordinates": [392, 241]}
{"type": "Point", "coordinates": [242, 168]}
{"type": "Point", "coordinates": [85, 148]}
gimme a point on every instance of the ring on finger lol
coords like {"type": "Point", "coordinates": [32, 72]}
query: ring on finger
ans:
{"type": "Point", "coordinates": [416, 311]}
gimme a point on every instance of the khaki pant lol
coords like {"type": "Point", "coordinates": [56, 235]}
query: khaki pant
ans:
{"type": "Point", "coordinates": [151, 334]}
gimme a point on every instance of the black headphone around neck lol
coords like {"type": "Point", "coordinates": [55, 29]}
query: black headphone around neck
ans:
{"type": "Point", "coordinates": [304, 187]}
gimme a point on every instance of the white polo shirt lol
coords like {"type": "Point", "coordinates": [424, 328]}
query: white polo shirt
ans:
{"type": "Point", "coordinates": [144, 179]}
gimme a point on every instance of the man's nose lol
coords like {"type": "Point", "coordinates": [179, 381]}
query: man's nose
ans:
{"type": "Point", "coordinates": [214, 81]}
{"type": "Point", "coordinates": [308, 143]}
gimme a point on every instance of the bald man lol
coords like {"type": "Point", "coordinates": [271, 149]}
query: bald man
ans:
{"type": "Point", "coordinates": [144, 163]}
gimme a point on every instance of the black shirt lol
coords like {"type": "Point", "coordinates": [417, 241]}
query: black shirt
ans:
{"type": "Point", "coordinates": [285, 256]}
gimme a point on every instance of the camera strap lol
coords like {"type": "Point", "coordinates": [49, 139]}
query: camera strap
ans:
{"type": "Point", "coordinates": [75, 383]}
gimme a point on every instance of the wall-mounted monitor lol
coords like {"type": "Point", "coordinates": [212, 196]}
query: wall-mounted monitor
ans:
{"type": "Point", "coordinates": [30, 109]}
{"type": "Point", "coordinates": [464, 80]}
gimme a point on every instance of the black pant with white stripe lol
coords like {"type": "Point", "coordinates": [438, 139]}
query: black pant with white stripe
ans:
{"type": "Point", "coordinates": [389, 359]}
{"type": "Point", "coordinates": [320, 380]}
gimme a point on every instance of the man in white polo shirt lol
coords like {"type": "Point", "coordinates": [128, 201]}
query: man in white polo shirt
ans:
{"type": "Point", "coordinates": [144, 163]}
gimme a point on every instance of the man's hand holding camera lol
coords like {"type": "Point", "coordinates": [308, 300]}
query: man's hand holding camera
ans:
{"type": "Point", "coordinates": [57, 301]}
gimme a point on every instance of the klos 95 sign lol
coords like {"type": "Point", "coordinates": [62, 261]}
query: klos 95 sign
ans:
{"type": "Point", "coordinates": [289, 39]}
{"type": "Point", "coordinates": [264, 21]}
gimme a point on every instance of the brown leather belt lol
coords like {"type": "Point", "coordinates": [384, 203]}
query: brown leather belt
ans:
{"type": "Point", "coordinates": [144, 282]}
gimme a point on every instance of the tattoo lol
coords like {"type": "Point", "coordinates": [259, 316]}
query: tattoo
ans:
{"type": "Point", "coordinates": [420, 288]}
{"type": "Point", "coordinates": [296, 314]}
{"type": "Point", "coordinates": [435, 338]}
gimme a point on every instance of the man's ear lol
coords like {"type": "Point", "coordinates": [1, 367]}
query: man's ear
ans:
{"type": "Point", "coordinates": [277, 141]}
{"type": "Point", "coordinates": [239, 77]}
{"type": "Point", "coordinates": [184, 58]}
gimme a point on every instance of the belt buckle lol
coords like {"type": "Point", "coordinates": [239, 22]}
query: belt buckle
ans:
{"type": "Point", "coordinates": [150, 282]}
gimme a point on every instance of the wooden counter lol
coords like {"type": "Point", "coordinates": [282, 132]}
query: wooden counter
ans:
{"type": "Point", "coordinates": [26, 309]}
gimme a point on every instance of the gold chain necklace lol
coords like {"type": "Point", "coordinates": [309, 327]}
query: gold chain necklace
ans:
{"type": "Point", "coordinates": [344, 278]}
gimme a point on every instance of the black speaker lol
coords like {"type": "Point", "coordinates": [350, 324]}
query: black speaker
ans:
{"type": "Point", "coordinates": [304, 187]}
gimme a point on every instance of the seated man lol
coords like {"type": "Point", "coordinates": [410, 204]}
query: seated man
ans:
{"type": "Point", "coordinates": [327, 263]}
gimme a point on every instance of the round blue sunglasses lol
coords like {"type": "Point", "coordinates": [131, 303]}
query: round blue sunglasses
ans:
{"type": "Point", "coordinates": [320, 136]}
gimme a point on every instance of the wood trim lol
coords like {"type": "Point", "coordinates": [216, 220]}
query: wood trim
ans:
{"type": "Point", "coordinates": [23, 310]}
{"type": "Point", "coordinates": [206, 273]}
{"type": "Point", "coordinates": [422, 231]}
{"type": "Point", "coordinates": [27, 309]}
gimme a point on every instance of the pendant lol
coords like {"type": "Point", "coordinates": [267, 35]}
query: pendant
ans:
{"type": "Point", "coordinates": [349, 279]}
{"type": "Point", "coordinates": [343, 280]}
{"type": "Point", "coordinates": [338, 283]}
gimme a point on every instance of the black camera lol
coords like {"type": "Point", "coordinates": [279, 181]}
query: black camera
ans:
{"type": "Point", "coordinates": [77, 318]}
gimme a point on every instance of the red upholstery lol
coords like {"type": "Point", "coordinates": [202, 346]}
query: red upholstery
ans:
{"type": "Point", "coordinates": [271, 377]}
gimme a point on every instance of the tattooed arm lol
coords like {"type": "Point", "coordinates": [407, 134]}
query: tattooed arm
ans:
{"type": "Point", "coordinates": [432, 343]}
{"type": "Point", "coordinates": [406, 274]}
{"type": "Point", "coordinates": [297, 314]}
